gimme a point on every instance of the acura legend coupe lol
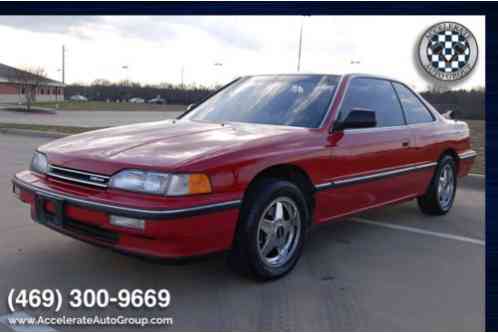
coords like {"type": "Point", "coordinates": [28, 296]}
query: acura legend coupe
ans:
{"type": "Point", "coordinates": [250, 169]}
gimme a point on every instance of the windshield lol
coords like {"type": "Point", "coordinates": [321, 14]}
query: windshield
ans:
{"type": "Point", "coordinates": [291, 100]}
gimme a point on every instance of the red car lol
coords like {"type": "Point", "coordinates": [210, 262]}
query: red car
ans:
{"type": "Point", "coordinates": [250, 169]}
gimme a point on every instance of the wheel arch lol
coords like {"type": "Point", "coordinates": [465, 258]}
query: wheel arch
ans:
{"type": "Point", "coordinates": [451, 152]}
{"type": "Point", "coordinates": [288, 172]}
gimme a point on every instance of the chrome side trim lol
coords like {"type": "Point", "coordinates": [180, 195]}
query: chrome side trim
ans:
{"type": "Point", "coordinates": [51, 166]}
{"type": "Point", "coordinates": [374, 129]}
{"type": "Point", "coordinates": [129, 211]}
{"type": "Point", "coordinates": [467, 154]}
{"type": "Point", "coordinates": [323, 186]}
{"type": "Point", "coordinates": [383, 174]}
{"type": "Point", "coordinates": [373, 176]}
{"type": "Point", "coordinates": [76, 180]}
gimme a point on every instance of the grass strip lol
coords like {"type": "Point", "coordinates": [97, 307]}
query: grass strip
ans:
{"type": "Point", "coordinates": [48, 128]}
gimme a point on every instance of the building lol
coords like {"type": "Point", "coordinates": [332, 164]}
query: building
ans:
{"type": "Point", "coordinates": [15, 84]}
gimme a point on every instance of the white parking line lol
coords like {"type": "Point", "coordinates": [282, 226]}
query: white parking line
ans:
{"type": "Point", "coordinates": [8, 319]}
{"type": "Point", "coordinates": [420, 231]}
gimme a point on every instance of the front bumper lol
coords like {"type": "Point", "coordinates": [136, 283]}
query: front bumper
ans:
{"type": "Point", "coordinates": [176, 232]}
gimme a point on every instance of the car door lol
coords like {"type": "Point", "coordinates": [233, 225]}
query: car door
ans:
{"type": "Point", "coordinates": [427, 135]}
{"type": "Point", "coordinates": [364, 167]}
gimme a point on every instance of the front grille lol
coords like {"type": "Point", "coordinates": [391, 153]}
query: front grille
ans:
{"type": "Point", "coordinates": [90, 231]}
{"type": "Point", "coordinates": [83, 229]}
{"type": "Point", "coordinates": [77, 176]}
{"type": "Point", "coordinates": [74, 227]}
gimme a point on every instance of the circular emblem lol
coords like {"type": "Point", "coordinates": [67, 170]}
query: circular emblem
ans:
{"type": "Point", "coordinates": [448, 51]}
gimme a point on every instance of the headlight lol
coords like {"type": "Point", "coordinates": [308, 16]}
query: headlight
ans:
{"type": "Point", "coordinates": [161, 183]}
{"type": "Point", "coordinates": [39, 163]}
{"type": "Point", "coordinates": [189, 184]}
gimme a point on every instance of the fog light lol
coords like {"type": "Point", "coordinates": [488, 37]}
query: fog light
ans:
{"type": "Point", "coordinates": [127, 222]}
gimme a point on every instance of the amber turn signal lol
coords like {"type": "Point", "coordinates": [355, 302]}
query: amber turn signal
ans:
{"type": "Point", "coordinates": [199, 183]}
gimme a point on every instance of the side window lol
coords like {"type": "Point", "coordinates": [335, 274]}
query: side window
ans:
{"type": "Point", "coordinates": [374, 94]}
{"type": "Point", "coordinates": [415, 110]}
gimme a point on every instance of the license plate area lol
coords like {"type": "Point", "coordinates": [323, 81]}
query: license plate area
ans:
{"type": "Point", "coordinates": [43, 216]}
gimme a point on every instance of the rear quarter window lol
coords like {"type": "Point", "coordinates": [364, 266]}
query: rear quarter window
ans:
{"type": "Point", "coordinates": [416, 112]}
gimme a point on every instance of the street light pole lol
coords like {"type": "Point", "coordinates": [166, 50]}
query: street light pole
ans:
{"type": "Point", "coordinates": [63, 64]}
{"type": "Point", "coordinates": [127, 74]}
{"type": "Point", "coordinates": [300, 46]}
{"type": "Point", "coordinates": [183, 72]}
{"type": "Point", "coordinates": [353, 63]}
{"type": "Point", "coordinates": [217, 64]}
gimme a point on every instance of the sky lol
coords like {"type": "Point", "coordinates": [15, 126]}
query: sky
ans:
{"type": "Point", "coordinates": [211, 50]}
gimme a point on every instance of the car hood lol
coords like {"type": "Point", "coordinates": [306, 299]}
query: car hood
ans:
{"type": "Point", "coordinates": [163, 145]}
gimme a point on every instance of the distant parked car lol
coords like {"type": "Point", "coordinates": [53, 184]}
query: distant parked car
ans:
{"type": "Point", "coordinates": [136, 100]}
{"type": "Point", "coordinates": [78, 98]}
{"type": "Point", "coordinates": [157, 100]}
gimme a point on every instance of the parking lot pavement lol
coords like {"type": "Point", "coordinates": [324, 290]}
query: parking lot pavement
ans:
{"type": "Point", "coordinates": [85, 118]}
{"type": "Point", "coordinates": [405, 272]}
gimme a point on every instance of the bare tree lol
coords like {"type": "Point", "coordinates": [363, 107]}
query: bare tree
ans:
{"type": "Point", "coordinates": [28, 81]}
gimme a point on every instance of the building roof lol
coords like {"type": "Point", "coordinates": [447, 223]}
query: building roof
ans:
{"type": "Point", "coordinates": [11, 74]}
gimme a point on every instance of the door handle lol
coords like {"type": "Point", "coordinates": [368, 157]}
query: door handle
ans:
{"type": "Point", "coordinates": [405, 143]}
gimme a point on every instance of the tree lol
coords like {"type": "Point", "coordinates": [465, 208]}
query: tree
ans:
{"type": "Point", "coordinates": [101, 82]}
{"type": "Point", "coordinates": [28, 81]}
{"type": "Point", "coordinates": [465, 104]}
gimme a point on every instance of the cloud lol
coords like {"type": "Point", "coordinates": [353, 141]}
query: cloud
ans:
{"type": "Point", "coordinates": [225, 30]}
{"type": "Point", "coordinates": [157, 48]}
{"type": "Point", "coordinates": [149, 28]}
{"type": "Point", "coordinates": [51, 24]}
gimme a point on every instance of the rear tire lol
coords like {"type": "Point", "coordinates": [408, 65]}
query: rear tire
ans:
{"type": "Point", "coordinates": [272, 227]}
{"type": "Point", "coordinates": [440, 195]}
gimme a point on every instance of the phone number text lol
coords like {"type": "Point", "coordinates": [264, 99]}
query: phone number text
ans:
{"type": "Point", "coordinates": [87, 298]}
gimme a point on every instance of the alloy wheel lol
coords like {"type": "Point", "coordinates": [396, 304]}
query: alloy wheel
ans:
{"type": "Point", "coordinates": [278, 232]}
{"type": "Point", "coordinates": [446, 186]}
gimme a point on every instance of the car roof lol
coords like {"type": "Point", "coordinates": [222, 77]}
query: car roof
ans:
{"type": "Point", "coordinates": [292, 74]}
{"type": "Point", "coordinates": [323, 74]}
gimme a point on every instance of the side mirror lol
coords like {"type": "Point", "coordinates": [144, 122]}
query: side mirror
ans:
{"type": "Point", "coordinates": [357, 118]}
{"type": "Point", "coordinates": [190, 107]}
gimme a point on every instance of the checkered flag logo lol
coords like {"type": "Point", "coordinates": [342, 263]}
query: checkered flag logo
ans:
{"type": "Point", "coordinates": [448, 51]}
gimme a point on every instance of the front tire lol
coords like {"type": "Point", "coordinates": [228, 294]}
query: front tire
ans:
{"type": "Point", "coordinates": [440, 196]}
{"type": "Point", "coordinates": [271, 231]}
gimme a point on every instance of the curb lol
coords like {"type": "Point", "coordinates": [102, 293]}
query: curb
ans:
{"type": "Point", "coordinates": [33, 133]}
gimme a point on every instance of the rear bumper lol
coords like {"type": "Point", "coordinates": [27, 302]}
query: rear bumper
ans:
{"type": "Point", "coordinates": [466, 160]}
{"type": "Point", "coordinates": [168, 233]}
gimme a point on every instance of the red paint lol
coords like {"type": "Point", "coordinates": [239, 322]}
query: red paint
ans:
{"type": "Point", "coordinates": [233, 155]}
{"type": "Point", "coordinates": [8, 89]}
{"type": "Point", "coordinates": [14, 89]}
